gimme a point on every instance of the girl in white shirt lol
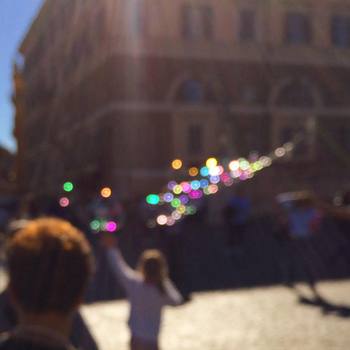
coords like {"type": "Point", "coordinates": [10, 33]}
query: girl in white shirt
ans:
{"type": "Point", "coordinates": [148, 289]}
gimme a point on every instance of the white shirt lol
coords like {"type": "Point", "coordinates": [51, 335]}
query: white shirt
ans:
{"type": "Point", "coordinates": [146, 301]}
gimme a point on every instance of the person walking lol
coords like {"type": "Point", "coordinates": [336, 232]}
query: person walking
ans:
{"type": "Point", "coordinates": [148, 290]}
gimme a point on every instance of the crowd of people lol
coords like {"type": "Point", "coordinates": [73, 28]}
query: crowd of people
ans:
{"type": "Point", "coordinates": [50, 263]}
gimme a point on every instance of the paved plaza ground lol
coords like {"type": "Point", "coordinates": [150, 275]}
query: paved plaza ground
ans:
{"type": "Point", "coordinates": [269, 318]}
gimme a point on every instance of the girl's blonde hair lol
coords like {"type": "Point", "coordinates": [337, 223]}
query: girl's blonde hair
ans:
{"type": "Point", "coordinates": [153, 267]}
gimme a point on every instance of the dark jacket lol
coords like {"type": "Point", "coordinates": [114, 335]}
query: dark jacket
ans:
{"type": "Point", "coordinates": [11, 342]}
{"type": "Point", "coordinates": [80, 335]}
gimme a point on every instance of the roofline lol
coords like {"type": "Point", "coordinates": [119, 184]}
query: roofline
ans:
{"type": "Point", "coordinates": [34, 27]}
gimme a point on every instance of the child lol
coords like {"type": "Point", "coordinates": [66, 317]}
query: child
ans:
{"type": "Point", "coordinates": [148, 289]}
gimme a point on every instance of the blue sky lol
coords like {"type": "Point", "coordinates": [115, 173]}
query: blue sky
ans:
{"type": "Point", "coordinates": [15, 17]}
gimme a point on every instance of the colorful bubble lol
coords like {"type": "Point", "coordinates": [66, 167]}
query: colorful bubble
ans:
{"type": "Point", "coordinates": [234, 165]}
{"type": "Point", "coordinates": [171, 185]}
{"type": "Point", "coordinates": [162, 220]}
{"type": "Point", "coordinates": [280, 152]}
{"type": "Point", "coordinates": [175, 203]}
{"type": "Point", "coordinates": [170, 221]}
{"type": "Point", "coordinates": [95, 225]}
{"type": "Point", "coordinates": [214, 171]}
{"type": "Point", "coordinates": [168, 197]}
{"type": "Point", "coordinates": [204, 171]}
{"type": "Point", "coordinates": [196, 194]}
{"type": "Point", "coordinates": [195, 185]}
{"type": "Point", "coordinates": [213, 189]}
{"type": "Point", "coordinates": [193, 171]}
{"type": "Point", "coordinates": [68, 186]}
{"type": "Point", "coordinates": [211, 163]}
{"type": "Point", "coordinates": [106, 192]}
{"type": "Point", "coordinates": [186, 187]}
{"type": "Point", "coordinates": [111, 226]}
{"type": "Point", "coordinates": [236, 174]}
{"type": "Point", "coordinates": [153, 199]}
{"type": "Point", "coordinates": [206, 191]}
{"type": "Point", "coordinates": [177, 189]}
{"type": "Point", "coordinates": [181, 209]}
{"type": "Point", "coordinates": [176, 164]}
{"type": "Point", "coordinates": [265, 161]}
{"type": "Point", "coordinates": [204, 183]}
{"type": "Point", "coordinates": [256, 166]}
{"type": "Point", "coordinates": [64, 202]}
{"type": "Point", "coordinates": [176, 215]}
{"type": "Point", "coordinates": [191, 210]}
{"type": "Point", "coordinates": [244, 164]}
{"type": "Point", "coordinates": [225, 177]}
{"type": "Point", "coordinates": [214, 179]}
{"type": "Point", "coordinates": [184, 199]}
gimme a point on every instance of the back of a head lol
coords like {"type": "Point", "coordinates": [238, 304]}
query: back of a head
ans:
{"type": "Point", "coordinates": [49, 263]}
{"type": "Point", "coordinates": [153, 267]}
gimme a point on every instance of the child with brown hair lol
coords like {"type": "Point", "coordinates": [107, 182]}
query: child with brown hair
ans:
{"type": "Point", "coordinates": [148, 289]}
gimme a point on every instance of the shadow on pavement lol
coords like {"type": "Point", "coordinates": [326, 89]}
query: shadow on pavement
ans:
{"type": "Point", "coordinates": [326, 306]}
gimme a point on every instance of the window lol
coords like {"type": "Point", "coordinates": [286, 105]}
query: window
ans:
{"type": "Point", "coordinates": [296, 94]}
{"type": "Point", "coordinates": [197, 22]}
{"type": "Point", "coordinates": [298, 29]}
{"type": "Point", "coordinates": [195, 139]}
{"type": "Point", "coordinates": [192, 91]}
{"type": "Point", "coordinates": [247, 29]}
{"type": "Point", "coordinates": [340, 31]}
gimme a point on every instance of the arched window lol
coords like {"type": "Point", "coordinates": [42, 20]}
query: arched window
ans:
{"type": "Point", "coordinates": [191, 91]}
{"type": "Point", "coordinates": [296, 94]}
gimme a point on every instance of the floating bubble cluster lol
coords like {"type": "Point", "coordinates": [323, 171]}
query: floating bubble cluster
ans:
{"type": "Point", "coordinates": [100, 225]}
{"type": "Point", "coordinates": [103, 223]}
{"type": "Point", "coordinates": [180, 198]}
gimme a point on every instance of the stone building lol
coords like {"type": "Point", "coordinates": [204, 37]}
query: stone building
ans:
{"type": "Point", "coordinates": [112, 90]}
{"type": "Point", "coordinates": [7, 174]}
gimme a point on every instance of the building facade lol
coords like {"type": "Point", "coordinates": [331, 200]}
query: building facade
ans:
{"type": "Point", "coordinates": [109, 92]}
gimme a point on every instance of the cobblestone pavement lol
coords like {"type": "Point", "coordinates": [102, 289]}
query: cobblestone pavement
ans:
{"type": "Point", "coordinates": [253, 319]}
